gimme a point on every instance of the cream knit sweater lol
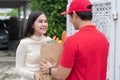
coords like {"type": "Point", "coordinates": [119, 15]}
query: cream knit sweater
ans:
{"type": "Point", "coordinates": [27, 56]}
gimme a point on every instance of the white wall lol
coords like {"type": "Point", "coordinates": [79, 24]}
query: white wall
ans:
{"type": "Point", "coordinates": [117, 42]}
{"type": "Point", "coordinates": [107, 19]}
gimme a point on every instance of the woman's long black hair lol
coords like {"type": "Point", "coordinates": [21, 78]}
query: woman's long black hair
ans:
{"type": "Point", "coordinates": [28, 28]}
{"type": "Point", "coordinates": [32, 18]}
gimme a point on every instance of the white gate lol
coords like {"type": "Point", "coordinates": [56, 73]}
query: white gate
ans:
{"type": "Point", "coordinates": [106, 18]}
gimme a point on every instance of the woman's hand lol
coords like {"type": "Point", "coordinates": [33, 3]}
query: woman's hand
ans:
{"type": "Point", "coordinates": [37, 76]}
{"type": "Point", "coordinates": [45, 65]}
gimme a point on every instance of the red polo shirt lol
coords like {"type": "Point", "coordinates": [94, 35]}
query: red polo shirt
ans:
{"type": "Point", "coordinates": [86, 52]}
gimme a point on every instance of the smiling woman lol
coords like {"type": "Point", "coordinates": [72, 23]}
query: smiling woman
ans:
{"type": "Point", "coordinates": [28, 50]}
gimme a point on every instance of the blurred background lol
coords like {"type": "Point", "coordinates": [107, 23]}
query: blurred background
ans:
{"type": "Point", "coordinates": [13, 17]}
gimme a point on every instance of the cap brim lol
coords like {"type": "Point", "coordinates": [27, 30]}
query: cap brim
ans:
{"type": "Point", "coordinates": [64, 13]}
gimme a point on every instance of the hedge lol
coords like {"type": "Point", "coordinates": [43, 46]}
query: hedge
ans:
{"type": "Point", "coordinates": [52, 8]}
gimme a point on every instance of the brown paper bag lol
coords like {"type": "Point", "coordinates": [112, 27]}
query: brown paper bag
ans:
{"type": "Point", "coordinates": [51, 52]}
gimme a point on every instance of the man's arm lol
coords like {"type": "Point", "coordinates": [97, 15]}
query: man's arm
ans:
{"type": "Point", "coordinates": [59, 73]}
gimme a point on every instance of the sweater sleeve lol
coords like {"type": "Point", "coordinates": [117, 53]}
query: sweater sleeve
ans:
{"type": "Point", "coordinates": [20, 61]}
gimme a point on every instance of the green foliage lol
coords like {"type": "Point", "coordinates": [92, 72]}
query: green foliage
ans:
{"type": "Point", "coordinates": [14, 12]}
{"type": "Point", "coordinates": [52, 8]}
{"type": "Point", "coordinates": [1, 14]}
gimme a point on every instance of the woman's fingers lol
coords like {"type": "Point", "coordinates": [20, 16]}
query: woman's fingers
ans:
{"type": "Point", "coordinates": [37, 76]}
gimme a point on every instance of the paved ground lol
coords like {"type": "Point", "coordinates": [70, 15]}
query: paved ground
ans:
{"type": "Point", "coordinates": [7, 64]}
{"type": "Point", "coordinates": [7, 55]}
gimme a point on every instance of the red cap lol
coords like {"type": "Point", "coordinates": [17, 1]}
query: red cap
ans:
{"type": "Point", "coordinates": [78, 6]}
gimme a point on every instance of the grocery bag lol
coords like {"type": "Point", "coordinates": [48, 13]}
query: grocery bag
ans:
{"type": "Point", "coordinates": [51, 52]}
